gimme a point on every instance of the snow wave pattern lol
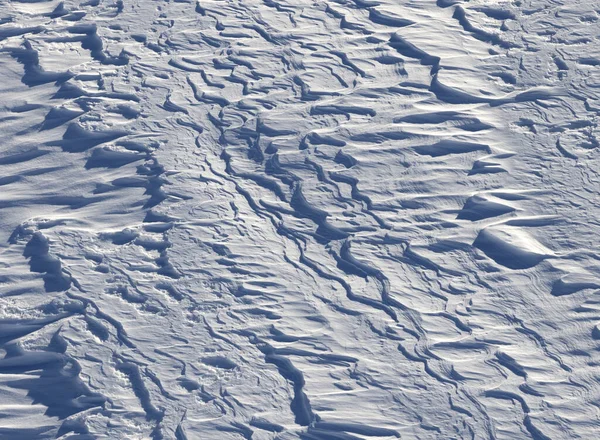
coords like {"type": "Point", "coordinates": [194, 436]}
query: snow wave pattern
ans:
{"type": "Point", "coordinates": [290, 219]}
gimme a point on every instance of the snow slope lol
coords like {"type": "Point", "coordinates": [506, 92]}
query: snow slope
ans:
{"type": "Point", "coordinates": [341, 219]}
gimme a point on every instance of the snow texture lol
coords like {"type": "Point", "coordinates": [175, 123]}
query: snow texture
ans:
{"type": "Point", "coordinates": [318, 220]}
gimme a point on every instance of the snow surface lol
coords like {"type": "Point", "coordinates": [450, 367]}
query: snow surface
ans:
{"type": "Point", "coordinates": [277, 219]}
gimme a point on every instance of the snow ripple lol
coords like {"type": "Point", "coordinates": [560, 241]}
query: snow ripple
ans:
{"type": "Point", "coordinates": [318, 220]}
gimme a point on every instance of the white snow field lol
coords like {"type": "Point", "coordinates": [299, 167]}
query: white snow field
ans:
{"type": "Point", "coordinates": [299, 219]}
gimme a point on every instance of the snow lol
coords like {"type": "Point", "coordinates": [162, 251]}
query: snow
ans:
{"type": "Point", "coordinates": [341, 219]}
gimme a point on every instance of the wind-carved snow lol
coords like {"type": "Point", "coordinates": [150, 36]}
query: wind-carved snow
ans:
{"type": "Point", "coordinates": [317, 220]}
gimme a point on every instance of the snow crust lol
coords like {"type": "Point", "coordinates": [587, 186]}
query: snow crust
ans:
{"type": "Point", "coordinates": [276, 219]}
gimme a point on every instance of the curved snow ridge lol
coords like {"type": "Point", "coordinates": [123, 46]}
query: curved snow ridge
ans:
{"type": "Point", "coordinates": [296, 220]}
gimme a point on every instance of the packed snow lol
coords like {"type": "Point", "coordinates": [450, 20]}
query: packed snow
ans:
{"type": "Point", "coordinates": [277, 219]}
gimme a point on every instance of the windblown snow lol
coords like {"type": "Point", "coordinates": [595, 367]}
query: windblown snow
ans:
{"type": "Point", "coordinates": [277, 219]}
